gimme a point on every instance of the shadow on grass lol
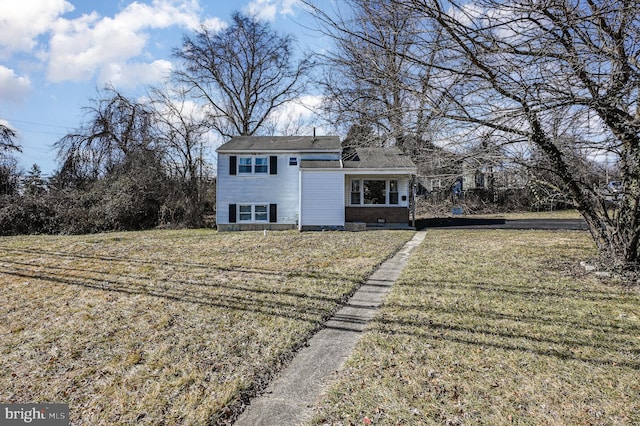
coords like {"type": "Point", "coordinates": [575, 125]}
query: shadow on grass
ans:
{"type": "Point", "coordinates": [171, 262]}
{"type": "Point", "coordinates": [211, 282]}
{"type": "Point", "coordinates": [307, 297]}
{"type": "Point", "coordinates": [545, 324]}
{"type": "Point", "coordinates": [216, 288]}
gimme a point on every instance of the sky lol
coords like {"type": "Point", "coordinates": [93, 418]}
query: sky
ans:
{"type": "Point", "coordinates": [56, 54]}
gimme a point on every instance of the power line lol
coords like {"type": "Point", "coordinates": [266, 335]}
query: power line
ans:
{"type": "Point", "coordinates": [39, 132]}
{"type": "Point", "coordinates": [34, 123]}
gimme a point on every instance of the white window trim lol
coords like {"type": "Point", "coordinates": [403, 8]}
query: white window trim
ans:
{"type": "Point", "coordinates": [387, 192]}
{"type": "Point", "coordinates": [242, 173]}
{"type": "Point", "coordinates": [253, 165]}
{"type": "Point", "coordinates": [359, 192]}
{"type": "Point", "coordinates": [253, 213]}
{"type": "Point", "coordinates": [265, 165]}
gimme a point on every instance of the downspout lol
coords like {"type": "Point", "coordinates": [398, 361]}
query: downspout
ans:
{"type": "Point", "coordinates": [300, 197]}
{"type": "Point", "coordinates": [412, 199]}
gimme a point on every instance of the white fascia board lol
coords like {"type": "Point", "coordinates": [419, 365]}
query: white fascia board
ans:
{"type": "Point", "coordinates": [279, 151]}
{"type": "Point", "coordinates": [380, 171]}
{"type": "Point", "coordinates": [322, 169]}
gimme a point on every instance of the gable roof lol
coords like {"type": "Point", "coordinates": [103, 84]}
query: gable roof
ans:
{"type": "Point", "coordinates": [379, 158]}
{"type": "Point", "coordinates": [281, 143]}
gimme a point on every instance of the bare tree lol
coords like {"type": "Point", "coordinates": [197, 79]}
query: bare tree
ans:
{"type": "Point", "coordinates": [559, 75]}
{"type": "Point", "coordinates": [112, 174]}
{"type": "Point", "coordinates": [117, 130]}
{"type": "Point", "coordinates": [244, 73]}
{"type": "Point", "coordinates": [7, 137]}
{"type": "Point", "coordinates": [370, 80]}
{"type": "Point", "coordinates": [181, 131]}
{"type": "Point", "coordinates": [9, 177]}
{"type": "Point", "coordinates": [554, 78]}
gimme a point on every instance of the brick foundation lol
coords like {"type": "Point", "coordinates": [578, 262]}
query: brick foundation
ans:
{"type": "Point", "coordinates": [372, 214]}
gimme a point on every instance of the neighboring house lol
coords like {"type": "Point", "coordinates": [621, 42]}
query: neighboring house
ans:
{"type": "Point", "coordinates": [474, 173]}
{"type": "Point", "coordinates": [302, 182]}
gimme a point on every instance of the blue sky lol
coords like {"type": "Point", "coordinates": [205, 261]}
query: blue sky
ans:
{"type": "Point", "coordinates": [55, 54]}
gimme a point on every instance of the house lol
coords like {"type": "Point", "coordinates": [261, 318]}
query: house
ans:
{"type": "Point", "coordinates": [300, 182]}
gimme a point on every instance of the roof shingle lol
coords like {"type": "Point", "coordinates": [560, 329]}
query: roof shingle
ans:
{"type": "Point", "coordinates": [282, 143]}
{"type": "Point", "coordinates": [379, 158]}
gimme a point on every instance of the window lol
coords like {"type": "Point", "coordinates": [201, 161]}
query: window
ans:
{"type": "Point", "coordinates": [245, 165]}
{"type": "Point", "coordinates": [293, 161]}
{"type": "Point", "coordinates": [251, 165]}
{"type": "Point", "coordinates": [245, 213]}
{"type": "Point", "coordinates": [261, 165]}
{"type": "Point", "coordinates": [375, 192]}
{"type": "Point", "coordinates": [260, 213]}
{"type": "Point", "coordinates": [355, 191]}
{"type": "Point", "coordinates": [253, 213]}
{"type": "Point", "coordinates": [393, 192]}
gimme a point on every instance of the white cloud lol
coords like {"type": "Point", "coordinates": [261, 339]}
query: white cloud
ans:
{"type": "Point", "coordinates": [267, 10]}
{"type": "Point", "coordinates": [297, 117]}
{"type": "Point", "coordinates": [288, 6]}
{"type": "Point", "coordinates": [467, 14]}
{"type": "Point", "coordinates": [13, 88]}
{"type": "Point", "coordinates": [214, 24]}
{"type": "Point", "coordinates": [90, 45]}
{"type": "Point", "coordinates": [262, 9]}
{"type": "Point", "coordinates": [22, 22]}
{"type": "Point", "coordinates": [131, 75]}
{"type": "Point", "coordinates": [304, 106]}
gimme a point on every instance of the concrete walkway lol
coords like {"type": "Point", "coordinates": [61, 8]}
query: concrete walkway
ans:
{"type": "Point", "coordinates": [290, 398]}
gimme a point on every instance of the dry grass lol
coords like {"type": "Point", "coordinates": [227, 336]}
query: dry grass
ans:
{"type": "Point", "coordinates": [555, 214]}
{"type": "Point", "coordinates": [495, 328]}
{"type": "Point", "coordinates": [167, 327]}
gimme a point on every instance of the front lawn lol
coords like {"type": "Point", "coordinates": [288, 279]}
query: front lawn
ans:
{"type": "Point", "coordinates": [494, 328]}
{"type": "Point", "coordinates": [167, 327]}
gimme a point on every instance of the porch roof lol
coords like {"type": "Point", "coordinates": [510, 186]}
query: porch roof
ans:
{"type": "Point", "coordinates": [380, 158]}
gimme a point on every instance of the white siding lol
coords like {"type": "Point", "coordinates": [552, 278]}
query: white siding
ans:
{"type": "Point", "coordinates": [403, 189]}
{"type": "Point", "coordinates": [322, 198]}
{"type": "Point", "coordinates": [280, 189]}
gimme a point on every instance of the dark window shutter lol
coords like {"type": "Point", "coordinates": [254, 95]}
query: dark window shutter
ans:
{"type": "Point", "coordinates": [232, 213]}
{"type": "Point", "coordinates": [273, 213]}
{"type": "Point", "coordinates": [273, 165]}
{"type": "Point", "coordinates": [233, 164]}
